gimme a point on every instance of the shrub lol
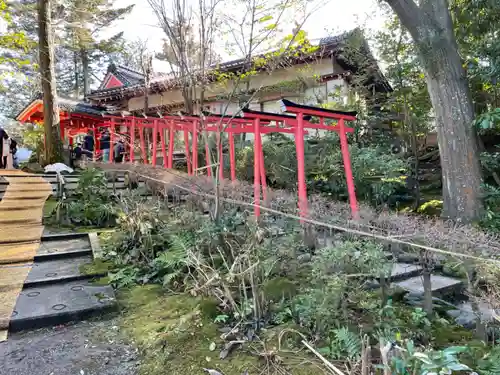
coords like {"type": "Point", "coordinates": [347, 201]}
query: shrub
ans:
{"type": "Point", "coordinates": [338, 274]}
{"type": "Point", "coordinates": [491, 221]}
{"type": "Point", "coordinates": [91, 203]}
{"type": "Point", "coordinates": [378, 175]}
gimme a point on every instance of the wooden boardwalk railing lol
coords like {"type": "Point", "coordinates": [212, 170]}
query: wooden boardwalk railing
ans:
{"type": "Point", "coordinates": [21, 211]}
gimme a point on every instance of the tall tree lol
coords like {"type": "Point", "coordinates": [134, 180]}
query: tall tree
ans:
{"type": "Point", "coordinates": [476, 27]}
{"type": "Point", "coordinates": [11, 40]}
{"type": "Point", "coordinates": [189, 41]}
{"type": "Point", "coordinates": [14, 46]}
{"type": "Point", "coordinates": [83, 23]}
{"type": "Point", "coordinates": [430, 25]}
{"type": "Point", "coordinates": [53, 145]}
{"type": "Point", "coordinates": [410, 97]}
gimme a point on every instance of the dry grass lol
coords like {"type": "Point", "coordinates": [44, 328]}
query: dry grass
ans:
{"type": "Point", "coordinates": [393, 226]}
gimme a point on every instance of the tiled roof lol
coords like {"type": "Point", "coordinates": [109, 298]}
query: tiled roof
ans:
{"type": "Point", "coordinates": [329, 46]}
{"type": "Point", "coordinates": [69, 105]}
{"type": "Point", "coordinates": [74, 106]}
{"type": "Point", "coordinates": [326, 45]}
{"type": "Point", "coordinates": [127, 76]}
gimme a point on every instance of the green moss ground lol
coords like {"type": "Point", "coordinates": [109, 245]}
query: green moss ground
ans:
{"type": "Point", "coordinates": [49, 207]}
{"type": "Point", "coordinates": [174, 334]}
{"type": "Point", "coordinates": [97, 267]}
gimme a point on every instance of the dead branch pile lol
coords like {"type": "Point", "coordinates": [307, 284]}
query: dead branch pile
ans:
{"type": "Point", "coordinates": [405, 229]}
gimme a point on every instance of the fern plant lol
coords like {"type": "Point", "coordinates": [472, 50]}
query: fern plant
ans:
{"type": "Point", "coordinates": [172, 264]}
{"type": "Point", "coordinates": [489, 364]}
{"type": "Point", "coordinates": [344, 344]}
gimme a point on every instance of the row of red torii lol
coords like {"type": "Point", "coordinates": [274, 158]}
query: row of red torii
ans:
{"type": "Point", "coordinates": [296, 122]}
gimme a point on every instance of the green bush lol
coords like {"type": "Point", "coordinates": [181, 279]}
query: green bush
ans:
{"type": "Point", "coordinates": [378, 174]}
{"type": "Point", "coordinates": [338, 275]}
{"type": "Point", "coordinates": [91, 204]}
{"type": "Point", "coordinates": [491, 221]}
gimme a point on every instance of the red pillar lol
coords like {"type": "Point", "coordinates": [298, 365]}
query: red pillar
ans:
{"type": "Point", "coordinates": [188, 157]}
{"type": "Point", "coordinates": [171, 145]}
{"type": "Point", "coordinates": [301, 173]}
{"type": "Point", "coordinates": [111, 141]}
{"type": "Point", "coordinates": [132, 140]}
{"type": "Point", "coordinates": [194, 155]}
{"type": "Point", "coordinates": [163, 147]}
{"type": "Point", "coordinates": [231, 156]}
{"type": "Point", "coordinates": [93, 135]}
{"type": "Point", "coordinates": [97, 146]}
{"type": "Point", "coordinates": [256, 168]}
{"type": "Point", "coordinates": [348, 170]}
{"type": "Point", "coordinates": [143, 144]}
{"type": "Point", "coordinates": [262, 170]}
{"type": "Point", "coordinates": [155, 141]}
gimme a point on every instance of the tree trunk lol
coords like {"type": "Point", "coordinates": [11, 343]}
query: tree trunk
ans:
{"type": "Point", "coordinates": [431, 28]}
{"type": "Point", "coordinates": [77, 76]}
{"type": "Point", "coordinates": [53, 145]}
{"type": "Point", "coordinates": [86, 71]}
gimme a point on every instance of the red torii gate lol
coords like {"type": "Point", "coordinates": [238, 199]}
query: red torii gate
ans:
{"type": "Point", "coordinates": [254, 122]}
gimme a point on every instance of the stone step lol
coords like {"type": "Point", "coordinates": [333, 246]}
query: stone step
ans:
{"type": "Point", "coordinates": [402, 271]}
{"type": "Point", "coordinates": [465, 316]}
{"type": "Point", "coordinates": [441, 285]}
{"type": "Point", "coordinates": [57, 304]}
{"type": "Point", "coordinates": [58, 271]}
{"type": "Point", "coordinates": [57, 246]}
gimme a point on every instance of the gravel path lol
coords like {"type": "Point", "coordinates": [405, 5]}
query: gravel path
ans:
{"type": "Point", "coordinates": [85, 348]}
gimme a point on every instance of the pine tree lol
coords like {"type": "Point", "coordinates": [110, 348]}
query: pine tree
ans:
{"type": "Point", "coordinates": [85, 20]}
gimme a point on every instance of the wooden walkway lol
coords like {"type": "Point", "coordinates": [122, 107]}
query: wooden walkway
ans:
{"type": "Point", "coordinates": [21, 212]}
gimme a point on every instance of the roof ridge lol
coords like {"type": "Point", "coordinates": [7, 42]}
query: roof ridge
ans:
{"type": "Point", "coordinates": [328, 46]}
{"type": "Point", "coordinates": [129, 69]}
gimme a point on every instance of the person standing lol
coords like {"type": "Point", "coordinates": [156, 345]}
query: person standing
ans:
{"type": "Point", "coordinates": [88, 144]}
{"type": "Point", "coordinates": [13, 151]}
{"type": "Point", "coordinates": [5, 149]}
{"type": "Point", "coordinates": [2, 133]}
{"type": "Point", "coordinates": [105, 146]}
{"type": "Point", "coordinates": [119, 151]}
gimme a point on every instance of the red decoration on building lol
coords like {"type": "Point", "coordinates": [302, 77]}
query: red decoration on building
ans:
{"type": "Point", "coordinates": [113, 82]}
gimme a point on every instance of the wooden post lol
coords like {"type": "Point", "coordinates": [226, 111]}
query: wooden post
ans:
{"type": "Point", "coordinates": [186, 146]}
{"type": "Point", "coordinates": [348, 170]}
{"type": "Point", "coordinates": [256, 168]}
{"type": "Point", "coordinates": [111, 141]}
{"type": "Point", "coordinates": [262, 170]}
{"type": "Point", "coordinates": [232, 156]}
{"type": "Point", "coordinates": [194, 155]}
{"type": "Point", "coordinates": [132, 140]}
{"type": "Point", "coordinates": [155, 141]}
{"type": "Point", "coordinates": [143, 144]}
{"type": "Point", "coordinates": [171, 145]}
{"type": "Point", "coordinates": [301, 175]}
{"type": "Point", "coordinates": [163, 147]}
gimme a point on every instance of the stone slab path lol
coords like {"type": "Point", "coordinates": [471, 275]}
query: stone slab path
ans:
{"type": "Point", "coordinates": [21, 210]}
{"type": "Point", "coordinates": [42, 282]}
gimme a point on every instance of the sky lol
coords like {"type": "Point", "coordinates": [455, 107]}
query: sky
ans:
{"type": "Point", "coordinates": [335, 17]}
